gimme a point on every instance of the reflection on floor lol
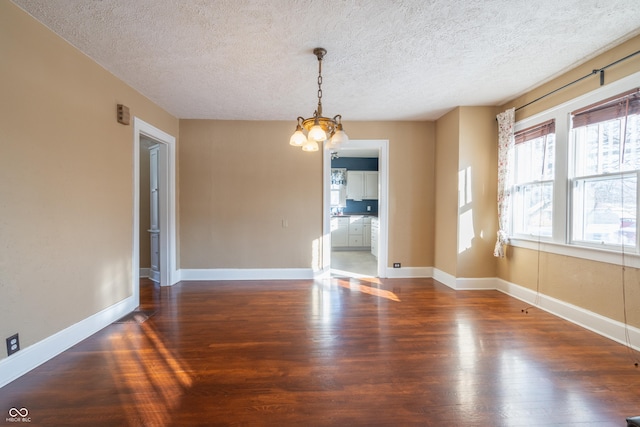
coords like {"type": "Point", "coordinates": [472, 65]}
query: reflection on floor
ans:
{"type": "Point", "coordinates": [354, 263]}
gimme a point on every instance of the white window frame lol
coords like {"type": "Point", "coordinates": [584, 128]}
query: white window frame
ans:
{"type": "Point", "coordinates": [519, 188]}
{"type": "Point", "coordinates": [559, 242]}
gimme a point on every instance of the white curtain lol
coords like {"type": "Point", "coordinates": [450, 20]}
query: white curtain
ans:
{"type": "Point", "coordinates": [506, 121]}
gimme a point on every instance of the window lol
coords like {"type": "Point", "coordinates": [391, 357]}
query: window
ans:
{"type": "Point", "coordinates": [578, 194]}
{"type": "Point", "coordinates": [338, 188]}
{"type": "Point", "coordinates": [534, 157]}
{"type": "Point", "coordinates": [605, 141]}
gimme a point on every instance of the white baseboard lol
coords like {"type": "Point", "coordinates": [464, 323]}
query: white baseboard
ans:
{"type": "Point", "coordinates": [409, 272]}
{"type": "Point", "coordinates": [444, 278]}
{"type": "Point", "coordinates": [144, 272]}
{"type": "Point", "coordinates": [34, 355]}
{"type": "Point", "coordinates": [247, 274]}
{"type": "Point", "coordinates": [287, 273]}
{"type": "Point", "coordinates": [463, 283]}
{"type": "Point", "coordinates": [478, 284]}
{"type": "Point", "coordinates": [612, 329]}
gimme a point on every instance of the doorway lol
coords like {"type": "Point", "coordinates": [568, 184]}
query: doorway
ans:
{"type": "Point", "coordinates": [144, 136]}
{"type": "Point", "coordinates": [150, 209]}
{"type": "Point", "coordinates": [355, 225]}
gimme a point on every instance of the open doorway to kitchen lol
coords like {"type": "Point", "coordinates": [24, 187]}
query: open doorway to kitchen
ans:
{"type": "Point", "coordinates": [355, 209]}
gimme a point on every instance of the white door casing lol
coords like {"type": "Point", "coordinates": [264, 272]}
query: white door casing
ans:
{"type": "Point", "coordinates": [382, 145]}
{"type": "Point", "coordinates": [169, 274]}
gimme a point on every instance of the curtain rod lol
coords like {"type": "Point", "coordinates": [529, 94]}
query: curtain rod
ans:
{"type": "Point", "coordinates": [594, 72]}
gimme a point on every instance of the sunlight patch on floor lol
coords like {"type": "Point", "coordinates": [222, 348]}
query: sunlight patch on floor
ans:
{"type": "Point", "coordinates": [152, 380]}
{"type": "Point", "coordinates": [367, 289]}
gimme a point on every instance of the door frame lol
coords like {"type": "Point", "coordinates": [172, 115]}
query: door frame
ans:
{"type": "Point", "coordinates": [167, 200]}
{"type": "Point", "coordinates": [382, 145]}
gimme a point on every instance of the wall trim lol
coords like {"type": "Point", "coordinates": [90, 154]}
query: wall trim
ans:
{"type": "Point", "coordinates": [247, 274]}
{"type": "Point", "coordinates": [31, 357]}
{"type": "Point", "coordinates": [476, 284]}
{"type": "Point", "coordinates": [168, 211]}
{"type": "Point", "coordinates": [382, 145]}
{"type": "Point", "coordinates": [144, 272]}
{"type": "Point", "coordinates": [409, 272]}
{"type": "Point", "coordinates": [609, 328]}
{"type": "Point", "coordinates": [444, 278]}
{"type": "Point", "coordinates": [601, 325]}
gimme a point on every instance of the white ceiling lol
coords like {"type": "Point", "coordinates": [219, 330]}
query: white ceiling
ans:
{"type": "Point", "coordinates": [387, 59]}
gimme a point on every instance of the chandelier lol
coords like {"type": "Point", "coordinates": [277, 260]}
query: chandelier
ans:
{"type": "Point", "coordinates": [319, 128]}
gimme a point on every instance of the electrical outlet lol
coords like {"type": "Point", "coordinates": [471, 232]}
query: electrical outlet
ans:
{"type": "Point", "coordinates": [396, 265]}
{"type": "Point", "coordinates": [13, 344]}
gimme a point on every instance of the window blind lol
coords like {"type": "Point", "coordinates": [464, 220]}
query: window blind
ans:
{"type": "Point", "coordinates": [536, 131]}
{"type": "Point", "coordinates": [612, 108]}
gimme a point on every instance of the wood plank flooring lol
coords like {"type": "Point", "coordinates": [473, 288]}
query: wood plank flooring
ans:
{"type": "Point", "coordinates": [394, 352]}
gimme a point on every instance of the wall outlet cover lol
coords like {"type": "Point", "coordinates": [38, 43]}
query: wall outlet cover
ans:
{"type": "Point", "coordinates": [396, 265]}
{"type": "Point", "coordinates": [13, 344]}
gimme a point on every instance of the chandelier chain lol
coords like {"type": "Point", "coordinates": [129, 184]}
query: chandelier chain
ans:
{"type": "Point", "coordinates": [319, 80]}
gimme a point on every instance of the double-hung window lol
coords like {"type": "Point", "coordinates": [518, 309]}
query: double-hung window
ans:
{"type": "Point", "coordinates": [534, 157]}
{"type": "Point", "coordinates": [605, 140]}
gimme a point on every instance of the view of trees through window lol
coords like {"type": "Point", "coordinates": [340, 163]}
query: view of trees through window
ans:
{"type": "Point", "coordinates": [533, 190]}
{"type": "Point", "coordinates": [596, 190]}
{"type": "Point", "coordinates": [605, 181]}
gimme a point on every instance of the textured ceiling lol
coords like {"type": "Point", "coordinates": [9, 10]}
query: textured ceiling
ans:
{"type": "Point", "coordinates": [387, 59]}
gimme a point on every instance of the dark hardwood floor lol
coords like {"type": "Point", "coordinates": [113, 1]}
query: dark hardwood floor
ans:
{"type": "Point", "coordinates": [341, 352]}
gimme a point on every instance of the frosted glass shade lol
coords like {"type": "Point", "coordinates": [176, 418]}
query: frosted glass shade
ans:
{"type": "Point", "coordinates": [298, 139]}
{"type": "Point", "coordinates": [310, 146]}
{"type": "Point", "coordinates": [339, 138]}
{"type": "Point", "coordinates": [316, 133]}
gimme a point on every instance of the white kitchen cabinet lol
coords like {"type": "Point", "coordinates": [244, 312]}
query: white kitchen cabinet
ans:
{"type": "Point", "coordinates": [355, 232]}
{"type": "Point", "coordinates": [362, 185]}
{"type": "Point", "coordinates": [351, 232]}
{"type": "Point", "coordinates": [375, 226]}
{"type": "Point", "coordinates": [366, 232]}
{"type": "Point", "coordinates": [339, 232]}
{"type": "Point", "coordinates": [355, 185]}
{"type": "Point", "coordinates": [371, 185]}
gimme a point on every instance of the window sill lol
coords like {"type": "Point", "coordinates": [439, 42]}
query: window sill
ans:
{"type": "Point", "coordinates": [629, 259]}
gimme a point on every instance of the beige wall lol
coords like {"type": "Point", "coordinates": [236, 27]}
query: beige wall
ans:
{"type": "Point", "coordinates": [612, 74]}
{"type": "Point", "coordinates": [238, 182]}
{"type": "Point", "coordinates": [477, 211]}
{"type": "Point", "coordinates": [240, 179]}
{"type": "Point", "coordinates": [466, 158]}
{"type": "Point", "coordinates": [446, 206]}
{"type": "Point", "coordinates": [411, 187]}
{"type": "Point", "coordinates": [595, 286]}
{"type": "Point", "coordinates": [66, 181]}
